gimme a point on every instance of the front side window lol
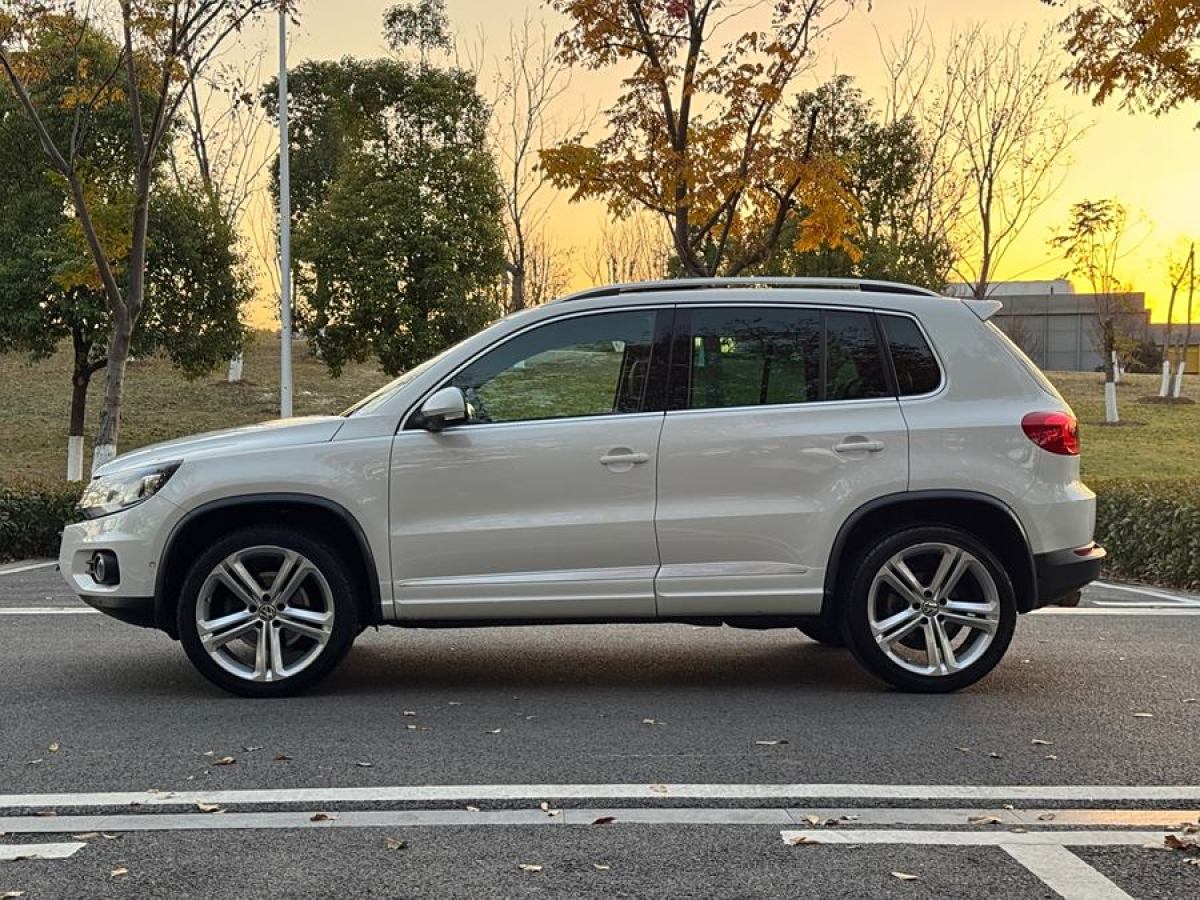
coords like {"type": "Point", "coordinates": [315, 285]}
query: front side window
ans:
{"type": "Point", "coordinates": [592, 365]}
{"type": "Point", "coordinates": [759, 356]}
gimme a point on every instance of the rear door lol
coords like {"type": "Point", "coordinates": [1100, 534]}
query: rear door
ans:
{"type": "Point", "coordinates": [781, 420]}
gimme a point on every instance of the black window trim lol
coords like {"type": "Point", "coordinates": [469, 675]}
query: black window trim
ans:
{"type": "Point", "coordinates": [679, 387]}
{"type": "Point", "coordinates": [653, 400]}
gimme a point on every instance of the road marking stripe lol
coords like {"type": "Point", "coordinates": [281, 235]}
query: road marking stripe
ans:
{"type": "Point", "coordinates": [1129, 609]}
{"type": "Point", "coordinates": [974, 838]}
{"type": "Point", "coordinates": [47, 611]}
{"type": "Point", "coordinates": [537, 792]}
{"type": "Point", "coordinates": [1149, 592]}
{"type": "Point", "coordinates": [16, 568]}
{"type": "Point", "coordinates": [12, 852]}
{"type": "Point", "coordinates": [1065, 873]}
{"type": "Point", "coordinates": [845, 832]}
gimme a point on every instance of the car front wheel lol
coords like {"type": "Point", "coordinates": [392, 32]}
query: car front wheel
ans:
{"type": "Point", "coordinates": [267, 612]}
{"type": "Point", "coordinates": [930, 609]}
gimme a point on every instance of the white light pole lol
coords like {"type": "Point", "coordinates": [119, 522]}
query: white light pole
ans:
{"type": "Point", "coordinates": [285, 231]}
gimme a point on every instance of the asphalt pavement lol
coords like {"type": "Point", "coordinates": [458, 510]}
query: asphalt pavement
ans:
{"type": "Point", "coordinates": [730, 763]}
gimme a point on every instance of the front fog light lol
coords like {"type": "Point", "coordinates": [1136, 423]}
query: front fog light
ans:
{"type": "Point", "coordinates": [103, 568]}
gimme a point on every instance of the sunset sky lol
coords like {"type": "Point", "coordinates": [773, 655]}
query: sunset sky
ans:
{"type": "Point", "coordinates": [1146, 163]}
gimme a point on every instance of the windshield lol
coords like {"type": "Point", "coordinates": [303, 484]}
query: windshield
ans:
{"type": "Point", "coordinates": [371, 402]}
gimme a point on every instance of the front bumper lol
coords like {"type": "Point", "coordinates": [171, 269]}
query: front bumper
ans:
{"type": "Point", "coordinates": [1061, 573]}
{"type": "Point", "coordinates": [133, 610]}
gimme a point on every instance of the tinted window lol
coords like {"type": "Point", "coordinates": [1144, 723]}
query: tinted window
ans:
{"type": "Point", "coordinates": [582, 366]}
{"type": "Point", "coordinates": [853, 360]}
{"type": "Point", "coordinates": [745, 356]}
{"type": "Point", "coordinates": [917, 370]}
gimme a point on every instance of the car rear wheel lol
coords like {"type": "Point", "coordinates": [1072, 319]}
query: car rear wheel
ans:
{"type": "Point", "coordinates": [930, 609]}
{"type": "Point", "coordinates": [267, 612]}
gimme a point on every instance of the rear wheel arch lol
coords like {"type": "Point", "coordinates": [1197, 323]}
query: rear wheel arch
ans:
{"type": "Point", "coordinates": [322, 518]}
{"type": "Point", "coordinates": [987, 518]}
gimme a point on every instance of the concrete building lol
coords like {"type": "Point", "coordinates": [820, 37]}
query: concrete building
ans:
{"type": "Point", "coordinates": [1059, 328]}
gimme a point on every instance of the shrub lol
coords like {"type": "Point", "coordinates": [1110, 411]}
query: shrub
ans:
{"type": "Point", "coordinates": [1151, 530]}
{"type": "Point", "coordinates": [31, 518]}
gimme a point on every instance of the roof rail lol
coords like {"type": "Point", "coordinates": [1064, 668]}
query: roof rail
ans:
{"type": "Point", "coordinates": [685, 284]}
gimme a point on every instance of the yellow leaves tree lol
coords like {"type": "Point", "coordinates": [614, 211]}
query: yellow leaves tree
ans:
{"type": "Point", "coordinates": [704, 133]}
{"type": "Point", "coordinates": [1148, 51]}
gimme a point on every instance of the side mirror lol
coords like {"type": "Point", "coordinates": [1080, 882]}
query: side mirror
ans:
{"type": "Point", "coordinates": [444, 408]}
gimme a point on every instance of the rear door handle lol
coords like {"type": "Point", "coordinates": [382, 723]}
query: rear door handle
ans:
{"type": "Point", "coordinates": [861, 445]}
{"type": "Point", "coordinates": [624, 458]}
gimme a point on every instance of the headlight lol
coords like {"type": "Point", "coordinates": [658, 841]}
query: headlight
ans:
{"type": "Point", "coordinates": [108, 494]}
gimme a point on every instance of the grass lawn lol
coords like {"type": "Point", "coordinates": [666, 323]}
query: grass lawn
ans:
{"type": "Point", "coordinates": [161, 404]}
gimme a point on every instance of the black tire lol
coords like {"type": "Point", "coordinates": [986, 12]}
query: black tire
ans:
{"type": "Point", "coordinates": [822, 632]}
{"type": "Point", "coordinates": [328, 565]}
{"type": "Point", "coordinates": [858, 627]}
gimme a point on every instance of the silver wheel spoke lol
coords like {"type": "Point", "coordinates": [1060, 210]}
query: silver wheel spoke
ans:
{"type": "Point", "coordinates": [220, 631]}
{"type": "Point", "coordinates": [987, 626]}
{"type": "Point", "coordinates": [262, 652]}
{"type": "Point", "coordinates": [950, 570]}
{"type": "Point", "coordinates": [933, 651]}
{"type": "Point", "coordinates": [278, 668]}
{"type": "Point", "coordinates": [947, 661]}
{"type": "Point", "coordinates": [897, 627]}
{"type": "Point", "coordinates": [902, 581]}
{"type": "Point", "coordinates": [292, 572]}
{"type": "Point", "coordinates": [303, 621]}
{"type": "Point", "coordinates": [234, 575]}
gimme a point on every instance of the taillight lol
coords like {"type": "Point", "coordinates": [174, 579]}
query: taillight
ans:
{"type": "Point", "coordinates": [1057, 432]}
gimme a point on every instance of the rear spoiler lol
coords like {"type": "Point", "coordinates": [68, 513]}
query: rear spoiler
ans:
{"type": "Point", "coordinates": [985, 309]}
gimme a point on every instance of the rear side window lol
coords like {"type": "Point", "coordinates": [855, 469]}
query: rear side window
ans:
{"type": "Point", "coordinates": [917, 369]}
{"type": "Point", "coordinates": [759, 356]}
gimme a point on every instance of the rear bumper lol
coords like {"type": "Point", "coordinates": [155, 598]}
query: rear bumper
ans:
{"type": "Point", "coordinates": [1061, 573]}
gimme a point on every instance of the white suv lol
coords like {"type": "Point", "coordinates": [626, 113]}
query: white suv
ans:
{"type": "Point", "coordinates": [871, 463]}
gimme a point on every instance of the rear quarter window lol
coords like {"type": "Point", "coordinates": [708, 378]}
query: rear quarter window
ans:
{"type": "Point", "coordinates": [917, 370]}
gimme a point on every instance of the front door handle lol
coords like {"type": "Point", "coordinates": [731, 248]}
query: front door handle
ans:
{"type": "Point", "coordinates": [624, 457]}
{"type": "Point", "coordinates": [858, 445]}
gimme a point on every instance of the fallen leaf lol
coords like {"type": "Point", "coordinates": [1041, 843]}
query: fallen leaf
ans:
{"type": "Point", "coordinates": [1188, 700]}
{"type": "Point", "coordinates": [651, 722]}
{"type": "Point", "coordinates": [493, 731]}
{"type": "Point", "coordinates": [363, 764]}
{"type": "Point", "coordinates": [1038, 742]}
{"type": "Point", "coordinates": [1009, 806]}
{"type": "Point", "coordinates": [605, 820]}
{"type": "Point", "coordinates": [35, 762]}
{"type": "Point", "coordinates": [251, 749]}
{"type": "Point", "coordinates": [905, 876]}
{"type": "Point", "coordinates": [395, 843]}
{"type": "Point", "coordinates": [53, 748]}
{"type": "Point", "coordinates": [414, 728]}
{"type": "Point", "coordinates": [410, 712]}
{"type": "Point", "coordinates": [1046, 817]}
{"type": "Point", "coordinates": [86, 836]}
{"type": "Point", "coordinates": [983, 820]}
{"type": "Point", "coordinates": [658, 788]}
{"type": "Point", "coordinates": [1175, 842]}
{"type": "Point", "coordinates": [1192, 861]}
{"type": "Point", "coordinates": [109, 837]}
{"type": "Point", "coordinates": [224, 761]}
{"type": "Point", "coordinates": [118, 872]}
{"type": "Point", "coordinates": [11, 895]}
{"type": "Point", "coordinates": [813, 820]}
{"type": "Point", "coordinates": [797, 839]}
{"type": "Point", "coordinates": [283, 757]}
{"type": "Point", "coordinates": [546, 808]}
{"type": "Point", "coordinates": [209, 807]}
{"type": "Point", "coordinates": [1051, 756]}
{"type": "Point", "coordinates": [322, 817]}
{"type": "Point", "coordinates": [454, 703]}
{"type": "Point", "coordinates": [208, 753]}
{"type": "Point", "coordinates": [472, 809]}
{"type": "Point", "coordinates": [963, 749]}
{"type": "Point", "coordinates": [530, 867]}
{"type": "Point", "coordinates": [770, 743]}
{"type": "Point", "coordinates": [45, 813]}
{"type": "Point", "coordinates": [995, 755]}
{"type": "Point", "coordinates": [601, 867]}
{"type": "Point", "coordinates": [1143, 715]}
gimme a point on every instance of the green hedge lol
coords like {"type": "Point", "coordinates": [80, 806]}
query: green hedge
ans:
{"type": "Point", "coordinates": [31, 519]}
{"type": "Point", "coordinates": [1151, 530]}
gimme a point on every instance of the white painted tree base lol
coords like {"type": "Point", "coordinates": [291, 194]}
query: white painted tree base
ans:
{"type": "Point", "coordinates": [235, 368]}
{"type": "Point", "coordinates": [1165, 387]}
{"type": "Point", "coordinates": [102, 454]}
{"type": "Point", "coordinates": [1110, 402]}
{"type": "Point", "coordinates": [75, 457]}
{"type": "Point", "coordinates": [1178, 392]}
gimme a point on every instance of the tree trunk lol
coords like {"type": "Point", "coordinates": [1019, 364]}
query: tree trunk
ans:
{"type": "Point", "coordinates": [114, 391]}
{"type": "Point", "coordinates": [236, 364]}
{"type": "Point", "coordinates": [1111, 416]}
{"type": "Point", "coordinates": [517, 300]}
{"type": "Point", "coordinates": [1181, 363]}
{"type": "Point", "coordinates": [80, 379]}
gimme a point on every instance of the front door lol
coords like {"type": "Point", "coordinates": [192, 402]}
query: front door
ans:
{"type": "Point", "coordinates": [542, 504]}
{"type": "Point", "coordinates": [781, 422]}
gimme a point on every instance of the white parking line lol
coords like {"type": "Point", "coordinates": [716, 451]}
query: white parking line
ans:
{"type": "Point", "coordinates": [17, 568]}
{"type": "Point", "coordinates": [1126, 609]}
{"type": "Point", "coordinates": [973, 838]}
{"type": "Point", "coordinates": [1065, 873]}
{"type": "Point", "coordinates": [12, 852]}
{"type": "Point", "coordinates": [48, 611]}
{"type": "Point", "coordinates": [465, 793]}
{"type": "Point", "coordinates": [1149, 592]}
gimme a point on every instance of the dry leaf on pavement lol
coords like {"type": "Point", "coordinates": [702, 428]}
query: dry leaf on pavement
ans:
{"type": "Point", "coordinates": [209, 807]}
{"type": "Point", "coordinates": [797, 839]}
{"type": "Point", "coordinates": [601, 867]}
{"type": "Point", "coordinates": [813, 820]}
{"type": "Point", "coordinates": [983, 820]}
{"type": "Point", "coordinates": [1143, 715]}
{"type": "Point", "coordinates": [1046, 817]}
{"type": "Point", "coordinates": [1177, 842]}
{"type": "Point", "coordinates": [322, 817]}
{"type": "Point", "coordinates": [905, 876]}
{"type": "Point", "coordinates": [224, 761]}
{"type": "Point", "coordinates": [118, 872]}
{"type": "Point", "coordinates": [658, 788]}
{"type": "Point", "coordinates": [605, 820]}
{"type": "Point", "coordinates": [472, 809]}
{"type": "Point", "coordinates": [283, 757]}
{"type": "Point", "coordinates": [53, 748]}
{"type": "Point", "coordinates": [530, 867]}
{"type": "Point", "coordinates": [1038, 742]}
{"type": "Point", "coordinates": [11, 895]}
{"type": "Point", "coordinates": [363, 764]}
{"type": "Point", "coordinates": [395, 843]}
{"type": "Point", "coordinates": [771, 743]}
